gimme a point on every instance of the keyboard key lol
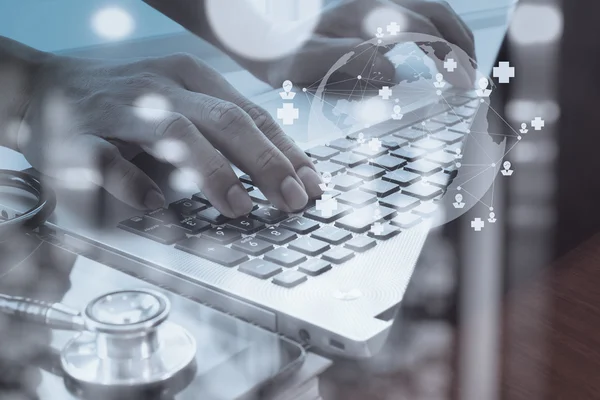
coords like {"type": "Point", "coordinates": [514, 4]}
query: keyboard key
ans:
{"type": "Point", "coordinates": [401, 177]}
{"type": "Point", "coordinates": [322, 153]}
{"type": "Point", "coordinates": [464, 112]}
{"type": "Point", "coordinates": [370, 151]}
{"type": "Point", "coordinates": [425, 210]}
{"type": "Point", "coordinates": [452, 149]}
{"type": "Point", "coordinates": [429, 127]}
{"type": "Point", "coordinates": [246, 179]}
{"type": "Point", "coordinates": [258, 197]}
{"type": "Point", "coordinates": [336, 214]}
{"type": "Point", "coordinates": [354, 136]}
{"type": "Point", "coordinates": [213, 216]}
{"type": "Point", "coordinates": [385, 232]}
{"type": "Point", "coordinates": [423, 167]}
{"type": "Point", "coordinates": [428, 144]}
{"type": "Point", "coordinates": [343, 144]}
{"type": "Point", "coordinates": [300, 225]}
{"type": "Point", "coordinates": [393, 143]}
{"type": "Point", "coordinates": [253, 246]}
{"type": "Point", "coordinates": [285, 257]}
{"type": "Point", "coordinates": [338, 255]}
{"type": "Point", "coordinates": [440, 179]}
{"type": "Point", "coordinates": [200, 197]}
{"type": "Point", "coordinates": [349, 160]}
{"type": "Point", "coordinates": [222, 235]}
{"type": "Point", "coordinates": [192, 225]}
{"type": "Point", "coordinates": [275, 235]}
{"type": "Point", "coordinates": [422, 191]}
{"type": "Point", "coordinates": [187, 207]}
{"type": "Point", "coordinates": [367, 172]}
{"type": "Point", "coordinates": [361, 244]}
{"type": "Point", "coordinates": [315, 267]}
{"type": "Point", "coordinates": [361, 220]}
{"type": "Point", "coordinates": [406, 220]}
{"type": "Point", "coordinates": [246, 225]}
{"type": "Point", "coordinates": [212, 251]}
{"type": "Point", "coordinates": [289, 279]}
{"type": "Point", "coordinates": [380, 188]}
{"type": "Point", "coordinates": [448, 119]}
{"type": "Point", "coordinates": [389, 163]}
{"type": "Point", "coordinates": [345, 182]}
{"type": "Point", "coordinates": [268, 215]}
{"type": "Point", "coordinates": [457, 101]}
{"type": "Point", "coordinates": [164, 215]}
{"type": "Point", "coordinates": [332, 235]}
{"type": "Point", "coordinates": [260, 269]}
{"type": "Point", "coordinates": [442, 158]}
{"type": "Point", "coordinates": [357, 198]}
{"type": "Point", "coordinates": [448, 137]}
{"type": "Point", "coordinates": [461, 128]}
{"type": "Point", "coordinates": [410, 134]}
{"type": "Point", "coordinates": [409, 153]}
{"type": "Point", "coordinates": [329, 167]}
{"type": "Point", "coordinates": [309, 246]}
{"type": "Point", "coordinates": [152, 229]}
{"type": "Point", "coordinates": [399, 201]}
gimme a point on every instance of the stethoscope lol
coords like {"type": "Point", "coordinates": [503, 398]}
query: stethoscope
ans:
{"type": "Point", "coordinates": [125, 339]}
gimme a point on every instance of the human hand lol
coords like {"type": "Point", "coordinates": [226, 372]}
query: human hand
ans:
{"type": "Point", "coordinates": [87, 114]}
{"type": "Point", "coordinates": [345, 27]}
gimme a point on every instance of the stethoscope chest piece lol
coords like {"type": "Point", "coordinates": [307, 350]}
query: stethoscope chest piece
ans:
{"type": "Point", "coordinates": [128, 342]}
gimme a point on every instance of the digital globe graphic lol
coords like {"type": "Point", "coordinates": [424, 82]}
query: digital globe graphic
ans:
{"type": "Point", "coordinates": [436, 108]}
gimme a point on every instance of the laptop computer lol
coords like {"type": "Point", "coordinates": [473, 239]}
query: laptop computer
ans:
{"type": "Point", "coordinates": [330, 280]}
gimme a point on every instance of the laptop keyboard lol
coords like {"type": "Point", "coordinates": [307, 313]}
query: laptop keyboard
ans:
{"type": "Point", "coordinates": [380, 188]}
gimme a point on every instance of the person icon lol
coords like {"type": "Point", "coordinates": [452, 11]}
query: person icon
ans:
{"type": "Point", "coordinates": [492, 218]}
{"type": "Point", "coordinates": [397, 115]}
{"type": "Point", "coordinates": [507, 171]}
{"type": "Point", "coordinates": [326, 186]}
{"type": "Point", "coordinates": [483, 90]}
{"type": "Point", "coordinates": [379, 33]}
{"type": "Point", "coordinates": [361, 138]}
{"type": "Point", "coordinates": [458, 154]}
{"type": "Point", "coordinates": [459, 201]}
{"type": "Point", "coordinates": [524, 129]}
{"type": "Point", "coordinates": [287, 93]}
{"type": "Point", "coordinates": [439, 83]}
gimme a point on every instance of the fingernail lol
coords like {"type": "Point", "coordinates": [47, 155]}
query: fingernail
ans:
{"type": "Point", "coordinates": [294, 195]}
{"type": "Point", "coordinates": [311, 181]}
{"type": "Point", "coordinates": [154, 199]}
{"type": "Point", "coordinates": [239, 201]}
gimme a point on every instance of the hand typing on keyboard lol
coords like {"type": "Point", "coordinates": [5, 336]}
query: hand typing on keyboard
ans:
{"type": "Point", "coordinates": [94, 115]}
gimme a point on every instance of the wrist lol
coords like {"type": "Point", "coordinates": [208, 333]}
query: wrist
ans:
{"type": "Point", "coordinates": [20, 67]}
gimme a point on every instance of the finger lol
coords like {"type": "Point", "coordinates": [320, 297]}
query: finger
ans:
{"type": "Point", "coordinates": [261, 124]}
{"type": "Point", "coordinates": [270, 129]}
{"type": "Point", "coordinates": [120, 178]}
{"type": "Point", "coordinates": [447, 22]}
{"type": "Point", "coordinates": [215, 177]}
{"type": "Point", "coordinates": [234, 133]}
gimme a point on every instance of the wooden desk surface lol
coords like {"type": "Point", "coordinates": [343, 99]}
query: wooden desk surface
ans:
{"type": "Point", "coordinates": [551, 332]}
